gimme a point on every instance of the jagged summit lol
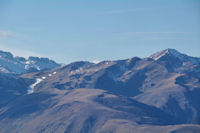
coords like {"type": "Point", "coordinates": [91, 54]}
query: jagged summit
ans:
{"type": "Point", "coordinates": [174, 53]}
{"type": "Point", "coordinates": [17, 65]}
{"type": "Point", "coordinates": [168, 51]}
{"type": "Point", "coordinates": [4, 54]}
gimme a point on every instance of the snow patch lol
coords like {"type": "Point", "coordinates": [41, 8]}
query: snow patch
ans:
{"type": "Point", "coordinates": [96, 61]}
{"type": "Point", "coordinates": [54, 72]}
{"type": "Point", "coordinates": [31, 87]}
{"type": "Point", "coordinates": [27, 62]}
{"type": "Point", "coordinates": [158, 55]}
{"type": "Point", "coordinates": [2, 69]}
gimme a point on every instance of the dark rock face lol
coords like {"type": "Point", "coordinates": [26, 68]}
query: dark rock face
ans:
{"type": "Point", "coordinates": [11, 87]}
{"type": "Point", "coordinates": [170, 62]}
{"type": "Point", "coordinates": [133, 95]}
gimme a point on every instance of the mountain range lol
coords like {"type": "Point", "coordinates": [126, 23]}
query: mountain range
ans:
{"type": "Point", "coordinates": [18, 65]}
{"type": "Point", "coordinates": [159, 93]}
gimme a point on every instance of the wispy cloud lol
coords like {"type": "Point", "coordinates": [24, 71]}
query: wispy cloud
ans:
{"type": "Point", "coordinates": [166, 38]}
{"type": "Point", "coordinates": [164, 32]}
{"type": "Point", "coordinates": [126, 11]}
{"type": "Point", "coordinates": [153, 35]}
{"type": "Point", "coordinates": [5, 34]}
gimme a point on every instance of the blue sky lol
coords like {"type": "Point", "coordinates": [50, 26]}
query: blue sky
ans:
{"type": "Point", "coordinates": [68, 31]}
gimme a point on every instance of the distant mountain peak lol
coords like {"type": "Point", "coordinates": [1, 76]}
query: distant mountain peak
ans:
{"type": "Point", "coordinates": [168, 51]}
{"type": "Point", "coordinates": [4, 54]}
{"type": "Point", "coordinates": [15, 64]}
{"type": "Point", "coordinates": [174, 53]}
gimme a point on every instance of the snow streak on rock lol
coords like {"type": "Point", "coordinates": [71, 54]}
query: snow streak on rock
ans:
{"type": "Point", "coordinates": [31, 87]}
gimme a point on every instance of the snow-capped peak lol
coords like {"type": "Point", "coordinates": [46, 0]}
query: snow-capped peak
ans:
{"type": "Point", "coordinates": [11, 64]}
{"type": "Point", "coordinates": [162, 53]}
{"type": "Point", "coordinates": [177, 54]}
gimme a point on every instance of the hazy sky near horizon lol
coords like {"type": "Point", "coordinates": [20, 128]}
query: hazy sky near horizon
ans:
{"type": "Point", "coordinates": [68, 31]}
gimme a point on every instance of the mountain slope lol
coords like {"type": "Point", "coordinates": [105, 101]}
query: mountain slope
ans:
{"type": "Point", "coordinates": [147, 80]}
{"type": "Point", "coordinates": [11, 87]}
{"type": "Point", "coordinates": [81, 110]}
{"type": "Point", "coordinates": [153, 94]}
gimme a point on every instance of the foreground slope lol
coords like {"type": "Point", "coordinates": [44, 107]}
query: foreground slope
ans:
{"type": "Point", "coordinates": [84, 110]}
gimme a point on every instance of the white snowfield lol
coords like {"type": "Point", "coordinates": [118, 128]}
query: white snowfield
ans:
{"type": "Point", "coordinates": [38, 81]}
{"type": "Point", "coordinates": [54, 72]}
{"type": "Point", "coordinates": [31, 87]}
{"type": "Point", "coordinates": [95, 61]}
